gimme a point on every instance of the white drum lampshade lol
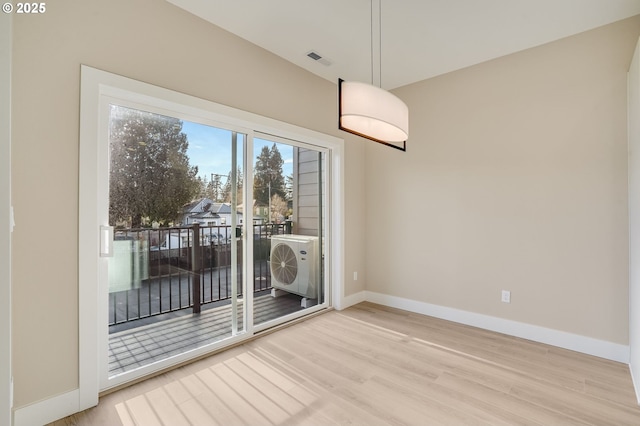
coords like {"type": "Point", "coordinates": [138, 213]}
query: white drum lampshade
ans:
{"type": "Point", "coordinates": [373, 113]}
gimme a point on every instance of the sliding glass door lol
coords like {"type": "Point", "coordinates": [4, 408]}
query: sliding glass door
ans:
{"type": "Point", "coordinates": [289, 224]}
{"type": "Point", "coordinates": [175, 218]}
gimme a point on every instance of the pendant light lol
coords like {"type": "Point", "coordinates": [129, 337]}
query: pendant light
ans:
{"type": "Point", "coordinates": [370, 111]}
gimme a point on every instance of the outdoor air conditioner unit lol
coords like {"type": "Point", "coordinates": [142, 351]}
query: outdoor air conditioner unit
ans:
{"type": "Point", "coordinates": [294, 264]}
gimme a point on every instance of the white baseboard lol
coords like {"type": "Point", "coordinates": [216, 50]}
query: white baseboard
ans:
{"type": "Point", "coordinates": [48, 410]}
{"type": "Point", "coordinates": [351, 300]}
{"type": "Point", "coordinates": [562, 339]}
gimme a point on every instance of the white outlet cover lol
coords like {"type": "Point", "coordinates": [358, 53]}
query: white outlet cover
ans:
{"type": "Point", "coordinates": [506, 296]}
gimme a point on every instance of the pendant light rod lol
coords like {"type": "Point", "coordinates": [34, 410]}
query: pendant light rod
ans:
{"type": "Point", "coordinates": [376, 43]}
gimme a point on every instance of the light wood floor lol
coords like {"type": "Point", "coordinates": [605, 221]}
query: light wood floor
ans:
{"type": "Point", "coordinates": [371, 365]}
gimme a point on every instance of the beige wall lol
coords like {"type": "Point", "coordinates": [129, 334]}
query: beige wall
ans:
{"type": "Point", "coordinates": [5, 218]}
{"type": "Point", "coordinates": [515, 178]}
{"type": "Point", "coordinates": [150, 41]}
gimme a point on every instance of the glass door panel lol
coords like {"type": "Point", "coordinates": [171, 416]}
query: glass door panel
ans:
{"type": "Point", "coordinates": [175, 275]}
{"type": "Point", "coordinates": [289, 229]}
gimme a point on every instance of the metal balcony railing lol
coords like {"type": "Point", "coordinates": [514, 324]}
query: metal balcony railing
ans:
{"type": "Point", "coordinates": [166, 270]}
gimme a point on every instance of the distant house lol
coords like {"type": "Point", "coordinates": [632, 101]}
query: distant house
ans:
{"type": "Point", "coordinates": [260, 212]}
{"type": "Point", "coordinates": [207, 213]}
{"type": "Point", "coordinates": [199, 211]}
{"type": "Point", "coordinates": [223, 210]}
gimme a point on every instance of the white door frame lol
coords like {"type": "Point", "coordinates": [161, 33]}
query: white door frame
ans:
{"type": "Point", "coordinates": [96, 85]}
{"type": "Point", "coordinates": [633, 124]}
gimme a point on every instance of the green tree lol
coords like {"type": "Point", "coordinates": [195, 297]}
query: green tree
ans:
{"type": "Point", "coordinates": [150, 176]}
{"type": "Point", "coordinates": [211, 189]}
{"type": "Point", "coordinates": [203, 187]}
{"type": "Point", "coordinates": [279, 209]}
{"type": "Point", "coordinates": [268, 177]}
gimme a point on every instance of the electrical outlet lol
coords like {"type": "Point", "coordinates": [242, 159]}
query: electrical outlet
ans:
{"type": "Point", "coordinates": [506, 296]}
{"type": "Point", "coordinates": [355, 276]}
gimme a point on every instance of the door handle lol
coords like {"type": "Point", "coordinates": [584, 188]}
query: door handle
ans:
{"type": "Point", "coordinates": [106, 241]}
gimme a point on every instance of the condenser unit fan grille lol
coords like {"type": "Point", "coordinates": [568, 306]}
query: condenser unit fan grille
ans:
{"type": "Point", "coordinates": [284, 265]}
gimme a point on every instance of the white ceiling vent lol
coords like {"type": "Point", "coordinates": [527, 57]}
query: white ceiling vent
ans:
{"type": "Point", "coordinates": [318, 58]}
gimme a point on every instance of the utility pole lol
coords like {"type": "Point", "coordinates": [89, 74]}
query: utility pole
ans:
{"type": "Point", "coordinates": [269, 213]}
{"type": "Point", "coordinates": [217, 185]}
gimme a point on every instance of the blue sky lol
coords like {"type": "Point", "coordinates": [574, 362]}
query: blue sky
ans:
{"type": "Point", "coordinates": [210, 150]}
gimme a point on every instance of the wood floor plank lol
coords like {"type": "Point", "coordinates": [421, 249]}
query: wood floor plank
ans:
{"type": "Point", "coordinates": [197, 414]}
{"type": "Point", "coordinates": [584, 407]}
{"type": "Point", "coordinates": [270, 374]}
{"type": "Point", "coordinates": [125, 416]}
{"type": "Point", "coordinates": [218, 410]}
{"type": "Point", "coordinates": [494, 400]}
{"type": "Point", "coordinates": [251, 394]}
{"type": "Point", "coordinates": [165, 409]}
{"type": "Point", "coordinates": [235, 402]}
{"type": "Point", "coordinates": [141, 411]}
{"type": "Point", "coordinates": [610, 392]}
{"type": "Point", "coordinates": [177, 392]}
{"type": "Point", "coordinates": [285, 401]}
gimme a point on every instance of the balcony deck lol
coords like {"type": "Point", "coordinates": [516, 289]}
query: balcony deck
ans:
{"type": "Point", "coordinates": [143, 345]}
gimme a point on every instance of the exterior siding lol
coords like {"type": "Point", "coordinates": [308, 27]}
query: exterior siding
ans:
{"type": "Point", "coordinates": [306, 191]}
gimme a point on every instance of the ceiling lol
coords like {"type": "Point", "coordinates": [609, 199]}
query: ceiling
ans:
{"type": "Point", "coordinates": [419, 38]}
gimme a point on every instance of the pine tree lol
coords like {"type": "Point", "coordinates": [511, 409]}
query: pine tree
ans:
{"type": "Point", "coordinates": [268, 176]}
{"type": "Point", "coordinates": [150, 177]}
